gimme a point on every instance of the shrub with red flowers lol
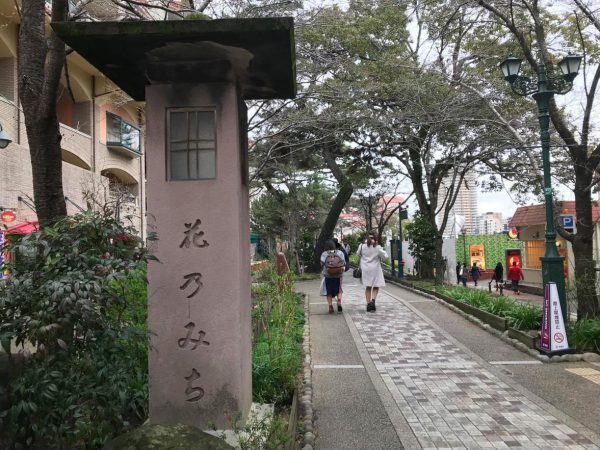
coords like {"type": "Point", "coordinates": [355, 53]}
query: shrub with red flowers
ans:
{"type": "Point", "coordinates": [76, 292]}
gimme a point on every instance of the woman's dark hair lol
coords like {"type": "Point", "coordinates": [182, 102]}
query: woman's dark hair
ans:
{"type": "Point", "coordinates": [372, 239]}
{"type": "Point", "coordinates": [329, 245]}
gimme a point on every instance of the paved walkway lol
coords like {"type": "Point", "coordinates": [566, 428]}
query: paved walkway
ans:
{"type": "Point", "coordinates": [396, 379]}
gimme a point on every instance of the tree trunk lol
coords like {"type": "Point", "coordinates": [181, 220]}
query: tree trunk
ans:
{"type": "Point", "coordinates": [583, 252]}
{"type": "Point", "coordinates": [328, 227]}
{"type": "Point", "coordinates": [41, 59]}
{"type": "Point", "coordinates": [46, 164]}
{"type": "Point", "coordinates": [440, 266]}
{"type": "Point", "coordinates": [340, 201]}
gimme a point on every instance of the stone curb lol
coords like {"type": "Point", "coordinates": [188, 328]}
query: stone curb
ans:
{"type": "Point", "coordinates": [306, 399]}
{"type": "Point", "coordinates": [587, 357]}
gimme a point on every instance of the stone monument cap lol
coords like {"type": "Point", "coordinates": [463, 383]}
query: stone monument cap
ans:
{"type": "Point", "coordinates": [257, 53]}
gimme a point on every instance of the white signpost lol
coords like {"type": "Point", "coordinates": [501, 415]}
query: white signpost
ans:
{"type": "Point", "coordinates": [553, 339]}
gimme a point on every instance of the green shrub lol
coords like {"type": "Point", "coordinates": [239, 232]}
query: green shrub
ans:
{"type": "Point", "coordinates": [518, 315]}
{"type": "Point", "coordinates": [76, 292]}
{"type": "Point", "coordinates": [585, 335]}
{"type": "Point", "coordinates": [524, 317]}
{"type": "Point", "coordinates": [277, 353]}
{"type": "Point", "coordinates": [276, 363]}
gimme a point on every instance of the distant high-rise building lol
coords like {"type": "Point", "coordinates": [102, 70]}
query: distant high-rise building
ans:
{"type": "Point", "coordinates": [464, 214]}
{"type": "Point", "coordinates": [491, 223]}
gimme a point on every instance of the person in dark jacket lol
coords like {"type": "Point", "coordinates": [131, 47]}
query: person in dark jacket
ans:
{"type": "Point", "coordinates": [340, 247]}
{"type": "Point", "coordinates": [458, 272]}
{"type": "Point", "coordinates": [498, 276]}
{"type": "Point", "coordinates": [475, 273]}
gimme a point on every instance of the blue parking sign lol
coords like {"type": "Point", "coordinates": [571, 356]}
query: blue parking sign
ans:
{"type": "Point", "coordinates": [568, 222]}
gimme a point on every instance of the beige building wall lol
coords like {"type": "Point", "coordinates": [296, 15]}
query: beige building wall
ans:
{"type": "Point", "coordinates": [110, 173]}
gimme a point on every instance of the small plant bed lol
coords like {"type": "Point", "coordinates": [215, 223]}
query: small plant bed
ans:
{"type": "Point", "coordinates": [585, 335]}
{"type": "Point", "coordinates": [278, 326]}
{"type": "Point", "coordinates": [522, 320]}
{"type": "Point", "coordinates": [516, 315]}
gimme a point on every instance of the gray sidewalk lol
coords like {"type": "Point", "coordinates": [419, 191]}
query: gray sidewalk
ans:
{"type": "Point", "coordinates": [416, 375]}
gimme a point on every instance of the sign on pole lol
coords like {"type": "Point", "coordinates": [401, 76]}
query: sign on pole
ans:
{"type": "Point", "coordinates": [553, 339]}
{"type": "Point", "coordinates": [568, 222]}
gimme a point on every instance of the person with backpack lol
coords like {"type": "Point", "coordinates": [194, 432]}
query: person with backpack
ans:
{"type": "Point", "coordinates": [341, 248]}
{"type": "Point", "coordinates": [333, 266]}
{"type": "Point", "coordinates": [514, 275]}
{"type": "Point", "coordinates": [371, 254]}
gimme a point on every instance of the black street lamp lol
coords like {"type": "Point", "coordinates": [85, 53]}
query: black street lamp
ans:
{"type": "Point", "coordinates": [542, 90]}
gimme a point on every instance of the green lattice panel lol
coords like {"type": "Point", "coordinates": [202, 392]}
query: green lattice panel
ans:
{"type": "Point", "coordinates": [493, 245]}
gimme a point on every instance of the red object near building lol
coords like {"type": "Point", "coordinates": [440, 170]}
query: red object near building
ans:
{"type": "Point", "coordinates": [23, 228]}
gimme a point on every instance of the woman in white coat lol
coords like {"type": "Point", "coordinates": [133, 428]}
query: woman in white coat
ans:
{"type": "Point", "coordinates": [371, 254]}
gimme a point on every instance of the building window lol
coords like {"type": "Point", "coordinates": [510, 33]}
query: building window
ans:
{"type": "Point", "coordinates": [121, 134]}
{"type": "Point", "coordinates": [191, 144]}
{"type": "Point", "coordinates": [534, 250]}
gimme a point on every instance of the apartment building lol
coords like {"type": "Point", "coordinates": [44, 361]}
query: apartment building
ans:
{"type": "Point", "coordinates": [491, 223]}
{"type": "Point", "coordinates": [464, 214]}
{"type": "Point", "coordinates": [102, 134]}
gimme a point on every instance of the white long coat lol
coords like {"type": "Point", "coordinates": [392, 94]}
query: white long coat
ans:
{"type": "Point", "coordinates": [370, 265]}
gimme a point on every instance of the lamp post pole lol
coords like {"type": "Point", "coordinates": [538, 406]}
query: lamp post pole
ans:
{"type": "Point", "coordinates": [403, 215]}
{"type": "Point", "coordinates": [552, 262]}
{"type": "Point", "coordinates": [464, 233]}
{"type": "Point", "coordinates": [542, 90]}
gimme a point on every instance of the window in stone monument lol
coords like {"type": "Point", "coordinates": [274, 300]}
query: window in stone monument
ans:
{"type": "Point", "coordinates": [191, 144]}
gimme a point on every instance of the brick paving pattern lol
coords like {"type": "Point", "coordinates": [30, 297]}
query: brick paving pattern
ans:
{"type": "Point", "coordinates": [447, 398]}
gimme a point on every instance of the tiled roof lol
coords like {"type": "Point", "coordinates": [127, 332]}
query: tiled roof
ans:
{"type": "Point", "coordinates": [536, 214]}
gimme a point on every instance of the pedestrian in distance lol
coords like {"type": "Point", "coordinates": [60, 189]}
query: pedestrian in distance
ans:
{"type": "Point", "coordinates": [333, 266]}
{"type": "Point", "coordinates": [498, 275]}
{"type": "Point", "coordinates": [346, 246]}
{"type": "Point", "coordinates": [371, 254]}
{"type": "Point", "coordinates": [340, 247]}
{"type": "Point", "coordinates": [475, 273]}
{"type": "Point", "coordinates": [417, 267]}
{"type": "Point", "coordinates": [514, 275]}
{"type": "Point", "coordinates": [463, 274]}
{"type": "Point", "coordinates": [458, 272]}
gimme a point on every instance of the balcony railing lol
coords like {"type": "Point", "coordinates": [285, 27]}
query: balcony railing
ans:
{"type": "Point", "coordinates": [122, 136]}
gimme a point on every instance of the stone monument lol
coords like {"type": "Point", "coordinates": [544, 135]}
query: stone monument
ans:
{"type": "Point", "coordinates": [194, 77]}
